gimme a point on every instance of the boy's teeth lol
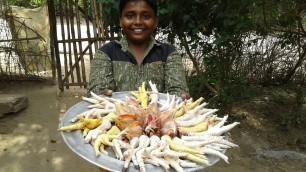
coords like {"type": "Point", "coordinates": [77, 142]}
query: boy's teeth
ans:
{"type": "Point", "coordinates": [137, 30]}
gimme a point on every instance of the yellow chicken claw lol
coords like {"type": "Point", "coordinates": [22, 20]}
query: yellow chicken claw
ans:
{"type": "Point", "coordinates": [77, 126]}
{"type": "Point", "coordinates": [90, 123]}
{"type": "Point", "coordinates": [142, 97]}
{"type": "Point", "coordinates": [86, 124]}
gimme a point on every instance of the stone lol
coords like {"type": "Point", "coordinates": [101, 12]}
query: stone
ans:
{"type": "Point", "coordinates": [12, 103]}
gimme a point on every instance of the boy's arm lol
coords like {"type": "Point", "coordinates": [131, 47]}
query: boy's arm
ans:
{"type": "Point", "coordinates": [101, 73]}
{"type": "Point", "coordinates": [175, 77]}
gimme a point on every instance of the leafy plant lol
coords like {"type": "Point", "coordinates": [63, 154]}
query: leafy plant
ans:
{"type": "Point", "coordinates": [110, 14]}
{"type": "Point", "coordinates": [297, 115]}
{"type": "Point", "coordinates": [28, 3]}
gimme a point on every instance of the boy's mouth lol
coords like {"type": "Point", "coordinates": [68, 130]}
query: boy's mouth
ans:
{"type": "Point", "coordinates": [137, 30]}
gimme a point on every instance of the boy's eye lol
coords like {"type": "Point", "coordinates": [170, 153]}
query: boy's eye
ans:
{"type": "Point", "coordinates": [130, 16]}
{"type": "Point", "coordinates": [146, 16]}
{"type": "Point", "coordinates": [143, 16]}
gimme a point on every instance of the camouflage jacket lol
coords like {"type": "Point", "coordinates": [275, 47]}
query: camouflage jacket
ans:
{"type": "Point", "coordinates": [114, 67]}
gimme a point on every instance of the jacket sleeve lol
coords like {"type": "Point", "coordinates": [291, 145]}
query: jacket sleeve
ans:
{"type": "Point", "coordinates": [101, 73]}
{"type": "Point", "coordinates": [175, 77]}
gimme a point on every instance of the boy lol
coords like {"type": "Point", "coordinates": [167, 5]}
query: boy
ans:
{"type": "Point", "coordinates": [123, 65]}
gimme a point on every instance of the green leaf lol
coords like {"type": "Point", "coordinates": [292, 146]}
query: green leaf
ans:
{"type": "Point", "coordinates": [186, 18]}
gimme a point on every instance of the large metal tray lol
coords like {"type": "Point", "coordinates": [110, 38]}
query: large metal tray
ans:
{"type": "Point", "coordinates": [75, 142]}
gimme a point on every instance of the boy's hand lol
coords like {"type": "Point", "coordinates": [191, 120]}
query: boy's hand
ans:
{"type": "Point", "coordinates": [185, 96]}
{"type": "Point", "coordinates": [106, 92]}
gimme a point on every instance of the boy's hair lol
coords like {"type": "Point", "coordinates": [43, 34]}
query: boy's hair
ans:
{"type": "Point", "coordinates": [152, 4]}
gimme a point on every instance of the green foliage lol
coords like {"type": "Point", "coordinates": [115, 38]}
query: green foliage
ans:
{"type": "Point", "coordinates": [280, 97]}
{"type": "Point", "coordinates": [197, 89]}
{"type": "Point", "coordinates": [28, 3]}
{"type": "Point", "coordinates": [232, 90]}
{"type": "Point", "coordinates": [297, 115]}
{"type": "Point", "coordinates": [280, 18]}
{"type": "Point", "coordinates": [110, 14]}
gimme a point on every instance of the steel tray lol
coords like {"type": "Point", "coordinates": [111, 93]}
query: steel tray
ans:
{"type": "Point", "coordinates": [75, 142]}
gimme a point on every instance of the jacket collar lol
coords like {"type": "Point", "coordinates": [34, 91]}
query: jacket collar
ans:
{"type": "Point", "coordinates": [125, 46]}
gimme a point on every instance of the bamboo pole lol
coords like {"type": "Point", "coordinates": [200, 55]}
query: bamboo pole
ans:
{"type": "Point", "coordinates": [101, 23]}
{"type": "Point", "coordinates": [62, 25]}
{"type": "Point", "coordinates": [75, 51]}
{"type": "Point", "coordinates": [54, 44]}
{"type": "Point", "coordinates": [81, 57]}
{"type": "Point", "coordinates": [88, 27]}
{"type": "Point", "coordinates": [94, 22]}
{"type": "Point", "coordinates": [67, 12]}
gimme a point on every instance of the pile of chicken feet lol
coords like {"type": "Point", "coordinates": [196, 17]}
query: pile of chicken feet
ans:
{"type": "Point", "coordinates": [146, 129]}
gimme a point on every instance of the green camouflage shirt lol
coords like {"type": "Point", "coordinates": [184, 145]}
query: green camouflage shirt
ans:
{"type": "Point", "coordinates": [115, 68]}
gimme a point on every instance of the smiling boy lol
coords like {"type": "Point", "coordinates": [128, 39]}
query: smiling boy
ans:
{"type": "Point", "coordinates": [123, 65]}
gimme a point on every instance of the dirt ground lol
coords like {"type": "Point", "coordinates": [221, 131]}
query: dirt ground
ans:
{"type": "Point", "coordinates": [29, 140]}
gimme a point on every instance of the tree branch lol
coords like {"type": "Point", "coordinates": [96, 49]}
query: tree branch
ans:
{"type": "Point", "coordinates": [199, 72]}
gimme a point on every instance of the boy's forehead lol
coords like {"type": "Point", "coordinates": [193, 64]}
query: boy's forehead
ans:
{"type": "Point", "coordinates": [137, 3]}
{"type": "Point", "coordinates": [134, 2]}
{"type": "Point", "coordinates": [149, 5]}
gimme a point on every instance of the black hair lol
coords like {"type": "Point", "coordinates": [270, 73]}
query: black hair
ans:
{"type": "Point", "coordinates": [152, 4]}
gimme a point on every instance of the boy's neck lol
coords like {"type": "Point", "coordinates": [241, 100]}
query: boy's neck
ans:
{"type": "Point", "coordinates": [138, 51]}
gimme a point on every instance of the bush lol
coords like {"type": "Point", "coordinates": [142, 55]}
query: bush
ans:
{"type": "Point", "coordinates": [297, 115]}
{"type": "Point", "coordinates": [28, 3]}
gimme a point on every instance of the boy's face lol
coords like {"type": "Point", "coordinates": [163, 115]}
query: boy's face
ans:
{"type": "Point", "coordinates": [138, 21]}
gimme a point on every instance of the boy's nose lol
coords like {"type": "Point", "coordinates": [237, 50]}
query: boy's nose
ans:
{"type": "Point", "coordinates": [137, 20]}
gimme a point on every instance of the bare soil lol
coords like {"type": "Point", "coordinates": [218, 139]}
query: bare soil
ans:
{"type": "Point", "coordinates": [29, 140]}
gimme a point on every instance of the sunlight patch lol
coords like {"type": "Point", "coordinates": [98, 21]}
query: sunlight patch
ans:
{"type": "Point", "coordinates": [43, 150]}
{"type": "Point", "coordinates": [58, 162]}
{"type": "Point", "coordinates": [36, 127]}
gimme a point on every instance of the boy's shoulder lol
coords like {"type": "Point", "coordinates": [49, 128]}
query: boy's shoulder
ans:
{"type": "Point", "coordinates": [166, 46]}
{"type": "Point", "coordinates": [110, 47]}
